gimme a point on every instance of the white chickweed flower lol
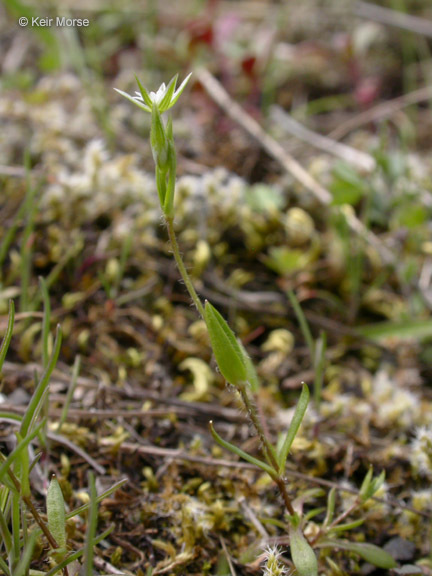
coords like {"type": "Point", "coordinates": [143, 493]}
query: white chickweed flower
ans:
{"type": "Point", "coordinates": [163, 99]}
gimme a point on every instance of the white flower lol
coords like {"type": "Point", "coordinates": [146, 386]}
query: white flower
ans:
{"type": "Point", "coordinates": [163, 99]}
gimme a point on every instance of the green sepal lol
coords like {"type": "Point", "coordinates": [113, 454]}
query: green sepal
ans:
{"type": "Point", "coordinates": [180, 89]}
{"type": "Point", "coordinates": [165, 103]}
{"type": "Point", "coordinates": [299, 413]}
{"type": "Point", "coordinates": [161, 185]}
{"type": "Point", "coordinates": [134, 100]}
{"type": "Point", "coordinates": [168, 204]}
{"type": "Point", "coordinates": [236, 450]}
{"type": "Point", "coordinates": [228, 353]}
{"type": "Point", "coordinates": [159, 141]}
{"type": "Point", "coordinates": [169, 129]}
{"type": "Point", "coordinates": [144, 94]}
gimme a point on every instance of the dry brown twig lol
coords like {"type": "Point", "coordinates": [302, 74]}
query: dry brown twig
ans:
{"type": "Point", "coordinates": [393, 18]}
{"type": "Point", "coordinates": [381, 111]}
{"type": "Point", "coordinates": [236, 113]}
{"type": "Point", "coordinates": [357, 158]}
{"type": "Point", "coordinates": [216, 91]}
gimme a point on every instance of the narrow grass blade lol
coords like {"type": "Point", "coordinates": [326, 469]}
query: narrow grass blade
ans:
{"type": "Point", "coordinates": [4, 567]}
{"type": "Point", "coordinates": [76, 555]}
{"type": "Point", "coordinates": [10, 416]}
{"type": "Point", "coordinates": [99, 499]}
{"type": "Point", "coordinates": [45, 323]}
{"type": "Point", "coordinates": [21, 469]}
{"type": "Point", "coordinates": [16, 528]}
{"type": "Point", "coordinates": [22, 445]}
{"type": "Point", "coordinates": [301, 318]}
{"type": "Point", "coordinates": [8, 336]}
{"type": "Point", "coordinates": [319, 365]}
{"type": "Point", "coordinates": [26, 556]}
{"type": "Point", "coordinates": [294, 427]}
{"type": "Point", "coordinates": [26, 242]}
{"type": "Point", "coordinates": [91, 528]}
{"type": "Point", "coordinates": [241, 453]}
{"type": "Point", "coordinates": [417, 329]}
{"type": "Point", "coordinates": [6, 536]}
{"type": "Point", "coordinates": [70, 393]}
{"type": "Point", "coordinates": [39, 392]}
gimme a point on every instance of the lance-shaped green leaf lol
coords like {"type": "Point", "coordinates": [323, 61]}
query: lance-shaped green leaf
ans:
{"type": "Point", "coordinates": [56, 515]}
{"type": "Point", "coordinates": [293, 429]}
{"type": "Point", "coordinates": [331, 502]}
{"type": "Point", "coordinates": [302, 554]}
{"type": "Point", "coordinates": [228, 353]}
{"type": "Point", "coordinates": [236, 450]}
{"type": "Point", "coordinates": [252, 376]}
{"type": "Point", "coordinates": [347, 526]}
{"type": "Point", "coordinates": [369, 552]}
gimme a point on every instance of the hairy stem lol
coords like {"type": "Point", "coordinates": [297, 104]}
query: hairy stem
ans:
{"type": "Point", "coordinates": [182, 269]}
{"type": "Point", "coordinates": [267, 448]}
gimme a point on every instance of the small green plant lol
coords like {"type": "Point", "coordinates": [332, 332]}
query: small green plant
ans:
{"type": "Point", "coordinates": [237, 369]}
{"type": "Point", "coordinates": [21, 524]}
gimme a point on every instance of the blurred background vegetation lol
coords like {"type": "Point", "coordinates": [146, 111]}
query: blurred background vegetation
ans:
{"type": "Point", "coordinates": [78, 207]}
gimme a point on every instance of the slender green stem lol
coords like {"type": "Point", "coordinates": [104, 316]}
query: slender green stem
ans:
{"type": "Point", "coordinates": [182, 269]}
{"type": "Point", "coordinates": [267, 448]}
